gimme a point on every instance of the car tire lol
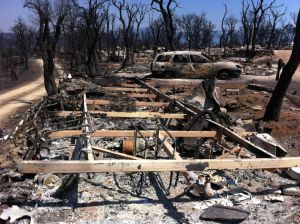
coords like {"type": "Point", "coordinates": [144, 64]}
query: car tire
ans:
{"type": "Point", "coordinates": [223, 75]}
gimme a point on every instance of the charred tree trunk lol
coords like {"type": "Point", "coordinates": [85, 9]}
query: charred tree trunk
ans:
{"type": "Point", "coordinates": [48, 60]}
{"type": "Point", "coordinates": [274, 106]}
{"type": "Point", "coordinates": [221, 41]}
{"type": "Point", "coordinates": [49, 77]}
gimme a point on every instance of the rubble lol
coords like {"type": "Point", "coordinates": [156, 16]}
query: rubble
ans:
{"type": "Point", "coordinates": [83, 127]}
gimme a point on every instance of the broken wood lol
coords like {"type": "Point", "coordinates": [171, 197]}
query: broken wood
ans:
{"type": "Point", "coordinates": [259, 152]}
{"type": "Point", "coordinates": [232, 151]}
{"type": "Point", "coordinates": [116, 154]}
{"type": "Point", "coordinates": [131, 133]}
{"type": "Point", "coordinates": [97, 166]}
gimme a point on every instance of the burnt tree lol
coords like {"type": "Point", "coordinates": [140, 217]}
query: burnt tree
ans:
{"type": "Point", "coordinates": [259, 10]}
{"type": "Point", "coordinates": [246, 26]}
{"type": "Point", "coordinates": [127, 16]}
{"type": "Point", "coordinates": [274, 106]}
{"type": "Point", "coordinates": [167, 10]}
{"type": "Point", "coordinates": [92, 14]}
{"type": "Point", "coordinates": [253, 14]}
{"type": "Point", "coordinates": [156, 27]}
{"type": "Point", "coordinates": [50, 17]}
{"type": "Point", "coordinates": [142, 10]}
{"type": "Point", "coordinates": [222, 37]}
{"type": "Point", "coordinates": [275, 16]}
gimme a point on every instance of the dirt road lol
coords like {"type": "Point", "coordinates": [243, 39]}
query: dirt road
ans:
{"type": "Point", "coordinates": [15, 98]}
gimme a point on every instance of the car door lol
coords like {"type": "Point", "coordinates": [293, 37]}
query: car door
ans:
{"type": "Point", "coordinates": [181, 65]}
{"type": "Point", "coordinates": [201, 67]}
{"type": "Point", "coordinates": [160, 64]}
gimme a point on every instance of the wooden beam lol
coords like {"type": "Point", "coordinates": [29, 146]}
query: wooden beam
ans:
{"type": "Point", "coordinates": [139, 114]}
{"type": "Point", "coordinates": [98, 166]}
{"type": "Point", "coordinates": [140, 95]}
{"type": "Point", "coordinates": [123, 89]}
{"type": "Point", "coordinates": [150, 96]}
{"type": "Point", "coordinates": [130, 85]}
{"type": "Point", "coordinates": [137, 104]}
{"type": "Point", "coordinates": [130, 133]}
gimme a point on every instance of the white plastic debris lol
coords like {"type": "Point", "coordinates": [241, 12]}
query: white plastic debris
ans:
{"type": "Point", "coordinates": [15, 213]}
{"type": "Point", "coordinates": [274, 198]}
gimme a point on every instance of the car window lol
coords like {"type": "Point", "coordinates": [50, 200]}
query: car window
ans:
{"type": "Point", "coordinates": [163, 58]}
{"type": "Point", "coordinates": [198, 59]}
{"type": "Point", "coordinates": [180, 58]}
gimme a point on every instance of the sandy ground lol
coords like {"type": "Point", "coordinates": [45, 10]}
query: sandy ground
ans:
{"type": "Point", "coordinates": [285, 55]}
{"type": "Point", "coordinates": [17, 96]}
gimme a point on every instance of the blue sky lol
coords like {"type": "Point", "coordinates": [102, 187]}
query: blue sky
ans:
{"type": "Point", "coordinates": [10, 10]}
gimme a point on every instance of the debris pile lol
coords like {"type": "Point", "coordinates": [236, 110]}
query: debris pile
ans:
{"type": "Point", "coordinates": [143, 141]}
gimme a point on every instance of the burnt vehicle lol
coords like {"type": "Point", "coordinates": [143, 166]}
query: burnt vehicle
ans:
{"type": "Point", "coordinates": [192, 65]}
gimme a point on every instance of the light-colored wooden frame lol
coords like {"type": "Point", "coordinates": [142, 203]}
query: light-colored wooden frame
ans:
{"type": "Point", "coordinates": [131, 133]}
{"type": "Point", "coordinates": [138, 104]}
{"type": "Point", "coordinates": [98, 166]}
{"type": "Point", "coordinates": [139, 114]}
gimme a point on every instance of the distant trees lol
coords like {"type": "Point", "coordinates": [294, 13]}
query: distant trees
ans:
{"type": "Point", "coordinates": [253, 14]}
{"type": "Point", "coordinates": [23, 39]}
{"type": "Point", "coordinates": [261, 25]}
{"type": "Point", "coordinates": [274, 18]}
{"type": "Point", "coordinates": [8, 59]}
{"type": "Point", "coordinates": [131, 16]}
{"type": "Point", "coordinates": [16, 48]}
{"type": "Point", "coordinates": [156, 30]}
{"type": "Point", "coordinates": [195, 29]}
{"type": "Point", "coordinates": [92, 17]}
